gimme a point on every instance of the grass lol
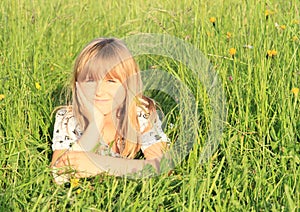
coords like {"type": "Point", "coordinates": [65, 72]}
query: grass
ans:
{"type": "Point", "coordinates": [256, 165]}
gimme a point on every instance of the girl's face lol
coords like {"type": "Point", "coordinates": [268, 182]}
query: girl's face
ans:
{"type": "Point", "coordinates": [107, 94]}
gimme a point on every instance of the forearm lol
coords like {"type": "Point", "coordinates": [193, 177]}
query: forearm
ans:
{"type": "Point", "coordinates": [119, 166]}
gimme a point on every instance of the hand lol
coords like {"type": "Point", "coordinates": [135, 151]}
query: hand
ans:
{"type": "Point", "coordinates": [85, 93]}
{"type": "Point", "coordinates": [79, 162]}
{"type": "Point", "coordinates": [155, 150]}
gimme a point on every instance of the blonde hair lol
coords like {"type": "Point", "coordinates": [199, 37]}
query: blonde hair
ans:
{"type": "Point", "coordinates": [110, 57]}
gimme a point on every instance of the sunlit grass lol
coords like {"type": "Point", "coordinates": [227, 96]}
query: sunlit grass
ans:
{"type": "Point", "coordinates": [253, 47]}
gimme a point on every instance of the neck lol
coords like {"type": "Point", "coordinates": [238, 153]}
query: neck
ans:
{"type": "Point", "coordinates": [109, 119]}
{"type": "Point", "coordinates": [109, 131]}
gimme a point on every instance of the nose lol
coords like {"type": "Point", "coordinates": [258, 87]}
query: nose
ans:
{"type": "Point", "coordinates": [99, 88]}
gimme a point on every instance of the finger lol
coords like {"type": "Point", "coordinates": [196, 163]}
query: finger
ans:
{"type": "Point", "coordinates": [88, 89]}
{"type": "Point", "coordinates": [62, 163]}
{"type": "Point", "coordinates": [86, 94]}
{"type": "Point", "coordinates": [80, 95]}
{"type": "Point", "coordinates": [83, 174]}
{"type": "Point", "coordinates": [66, 160]}
{"type": "Point", "coordinates": [85, 106]}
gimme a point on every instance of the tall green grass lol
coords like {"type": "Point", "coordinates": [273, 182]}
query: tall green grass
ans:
{"type": "Point", "coordinates": [256, 166]}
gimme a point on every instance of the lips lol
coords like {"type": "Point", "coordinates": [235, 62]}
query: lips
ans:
{"type": "Point", "coordinates": [102, 100]}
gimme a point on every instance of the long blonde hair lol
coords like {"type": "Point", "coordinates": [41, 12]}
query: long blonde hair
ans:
{"type": "Point", "coordinates": [110, 57]}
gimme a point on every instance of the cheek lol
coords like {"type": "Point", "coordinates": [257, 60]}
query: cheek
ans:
{"type": "Point", "coordinates": [119, 95]}
{"type": "Point", "coordinates": [89, 89]}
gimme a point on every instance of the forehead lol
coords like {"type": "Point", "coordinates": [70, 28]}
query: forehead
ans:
{"type": "Point", "coordinates": [110, 63]}
{"type": "Point", "coordinates": [96, 73]}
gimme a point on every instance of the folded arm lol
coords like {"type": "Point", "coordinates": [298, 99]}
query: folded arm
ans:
{"type": "Point", "coordinates": [88, 164]}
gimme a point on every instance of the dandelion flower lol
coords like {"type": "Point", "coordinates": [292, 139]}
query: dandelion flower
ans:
{"type": "Point", "coordinates": [232, 51]}
{"type": "Point", "coordinates": [280, 27]}
{"type": "Point", "coordinates": [274, 52]}
{"type": "Point", "coordinates": [268, 13]}
{"type": "Point", "coordinates": [228, 35]}
{"type": "Point", "coordinates": [295, 91]}
{"type": "Point", "coordinates": [74, 182]}
{"type": "Point", "coordinates": [283, 27]}
{"type": "Point", "coordinates": [271, 53]}
{"type": "Point", "coordinates": [2, 96]}
{"type": "Point", "coordinates": [37, 86]}
{"type": "Point", "coordinates": [296, 22]}
{"type": "Point", "coordinates": [209, 34]}
{"type": "Point", "coordinates": [78, 191]}
{"type": "Point", "coordinates": [295, 38]}
{"type": "Point", "coordinates": [212, 20]}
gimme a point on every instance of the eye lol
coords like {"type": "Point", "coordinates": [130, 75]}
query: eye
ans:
{"type": "Point", "coordinates": [111, 80]}
{"type": "Point", "coordinates": [89, 79]}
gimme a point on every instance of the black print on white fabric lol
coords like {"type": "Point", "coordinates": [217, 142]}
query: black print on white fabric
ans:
{"type": "Point", "coordinates": [61, 112]}
{"type": "Point", "coordinates": [146, 116]}
{"type": "Point", "coordinates": [157, 137]}
{"type": "Point", "coordinates": [67, 138]}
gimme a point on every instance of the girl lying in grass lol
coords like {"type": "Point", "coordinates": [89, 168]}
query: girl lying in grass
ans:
{"type": "Point", "coordinates": [109, 120]}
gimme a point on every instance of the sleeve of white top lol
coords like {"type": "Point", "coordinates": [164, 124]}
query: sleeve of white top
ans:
{"type": "Point", "coordinates": [64, 134]}
{"type": "Point", "coordinates": [154, 135]}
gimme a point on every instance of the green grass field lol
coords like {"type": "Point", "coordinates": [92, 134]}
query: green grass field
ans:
{"type": "Point", "coordinates": [256, 165]}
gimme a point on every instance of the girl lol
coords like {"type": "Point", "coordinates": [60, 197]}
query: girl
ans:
{"type": "Point", "coordinates": [110, 120]}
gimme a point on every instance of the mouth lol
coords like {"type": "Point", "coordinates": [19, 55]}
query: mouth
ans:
{"type": "Point", "coordinates": [101, 100]}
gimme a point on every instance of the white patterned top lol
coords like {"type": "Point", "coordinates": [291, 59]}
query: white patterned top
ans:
{"type": "Point", "coordinates": [67, 132]}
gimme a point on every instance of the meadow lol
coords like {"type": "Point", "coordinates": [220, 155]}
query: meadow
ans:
{"type": "Point", "coordinates": [253, 46]}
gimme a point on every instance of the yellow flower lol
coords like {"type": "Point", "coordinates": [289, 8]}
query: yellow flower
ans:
{"type": "Point", "coordinates": [74, 182]}
{"type": "Point", "coordinates": [37, 86]}
{"type": "Point", "coordinates": [228, 35]}
{"type": "Point", "coordinates": [232, 51]}
{"type": "Point", "coordinates": [274, 52]}
{"type": "Point", "coordinates": [212, 19]}
{"type": "Point", "coordinates": [295, 38]}
{"type": "Point", "coordinates": [268, 13]}
{"type": "Point", "coordinates": [271, 53]}
{"type": "Point", "coordinates": [78, 191]}
{"type": "Point", "coordinates": [296, 22]}
{"type": "Point", "coordinates": [210, 34]}
{"type": "Point", "coordinates": [283, 27]}
{"type": "Point", "coordinates": [2, 96]}
{"type": "Point", "coordinates": [295, 91]}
